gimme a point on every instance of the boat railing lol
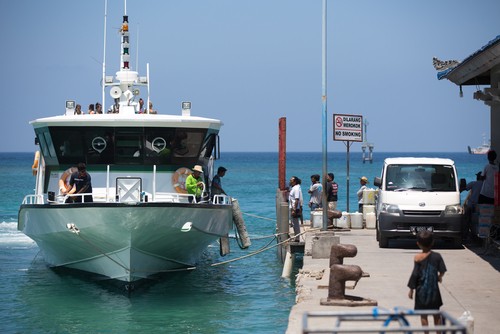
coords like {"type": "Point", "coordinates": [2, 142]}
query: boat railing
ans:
{"type": "Point", "coordinates": [72, 198]}
{"type": "Point", "coordinates": [159, 197]}
{"type": "Point", "coordinates": [33, 199]}
{"type": "Point", "coordinates": [173, 197]}
{"type": "Point", "coordinates": [221, 199]}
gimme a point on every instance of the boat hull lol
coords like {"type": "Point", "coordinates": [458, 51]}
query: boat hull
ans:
{"type": "Point", "coordinates": [125, 242]}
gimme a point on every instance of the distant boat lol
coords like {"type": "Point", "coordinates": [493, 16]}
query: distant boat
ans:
{"type": "Point", "coordinates": [483, 149]}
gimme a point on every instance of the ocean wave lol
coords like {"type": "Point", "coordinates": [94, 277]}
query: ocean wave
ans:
{"type": "Point", "coordinates": [10, 236]}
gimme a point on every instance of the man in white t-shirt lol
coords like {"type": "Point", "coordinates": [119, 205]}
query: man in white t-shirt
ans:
{"type": "Point", "coordinates": [295, 202]}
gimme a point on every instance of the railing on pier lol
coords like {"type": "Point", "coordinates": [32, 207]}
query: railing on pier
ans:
{"type": "Point", "coordinates": [379, 321]}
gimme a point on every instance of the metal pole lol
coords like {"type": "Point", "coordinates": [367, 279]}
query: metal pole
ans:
{"type": "Point", "coordinates": [324, 120]}
{"type": "Point", "coordinates": [348, 177]}
{"type": "Point", "coordinates": [104, 59]}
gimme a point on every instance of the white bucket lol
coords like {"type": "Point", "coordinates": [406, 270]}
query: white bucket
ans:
{"type": "Point", "coordinates": [344, 221]}
{"type": "Point", "coordinates": [370, 220]}
{"type": "Point", "coordinates": [356, 220]}
{"type": "Point", "coordinates": [317, 218]}
{"type": "Point", "coordinates": [367, 209]}
{"type": "Point", "coordinates": [369, 196]}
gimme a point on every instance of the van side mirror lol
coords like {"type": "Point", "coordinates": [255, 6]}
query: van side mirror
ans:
{"type": "Point", "coordinates": [463, 185]}
{"type": "Point", "coordinates": [377, 181]}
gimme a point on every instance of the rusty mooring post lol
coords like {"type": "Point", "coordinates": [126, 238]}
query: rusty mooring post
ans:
{"type": "Point", "coordinates": [340, 251]}
{"type": "Point", "coordinates": [339, 274]}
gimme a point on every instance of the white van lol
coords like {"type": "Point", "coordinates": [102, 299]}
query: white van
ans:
{"type": "Point", "coordinates": [416, 194]}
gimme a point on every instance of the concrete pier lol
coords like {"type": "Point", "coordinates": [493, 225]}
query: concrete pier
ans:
{"type": "Point", "coordinates": [472, 282]}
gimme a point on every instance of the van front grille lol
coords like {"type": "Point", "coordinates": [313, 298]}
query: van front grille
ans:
{"type": "Point", "coordinates": [436, 213]}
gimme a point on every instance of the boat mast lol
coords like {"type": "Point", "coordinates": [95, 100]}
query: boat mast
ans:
{"type": "Point", "coordinates": [124, 88]}
{"type": "Point", "coordinates": [104, 57]}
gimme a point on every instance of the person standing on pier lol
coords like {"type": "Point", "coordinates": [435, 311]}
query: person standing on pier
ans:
{"type": "Point", "coordinates": [315, 190]}
{"type": "Point", "coordinates": [428, 270]}
{"type": "Point", "coordinates": [332, 189]}
{"type": "Point", "coordinates": [362, 181]}
{"type": "Point", "coordinates": [487, 194]}
{"type": "Point", "coordinates": [295, 201]}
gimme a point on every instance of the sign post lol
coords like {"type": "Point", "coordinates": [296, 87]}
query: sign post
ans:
{"type": "Point", "coordinates": [347, 128]}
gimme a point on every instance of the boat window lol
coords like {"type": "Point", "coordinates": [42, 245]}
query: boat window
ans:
{"type": "Point", "coordinates": [129, 146]}
{"type": "Point", "coordinates": [421, 177]}
{"type": "Point", "coordinates": [208, 146]}
{"type": "Point", "coordinates": [158, 146]}
{"type": "Point", "coordinates": [126, 146]}
{"type": "Point", "coordinates": [100, 145]}
{"type": "Point", "coordinates": [68, 145]}
{"type": "Point", "coordinates": [46, 146]}
{"type": "Point", "coordinates": [186, 146]}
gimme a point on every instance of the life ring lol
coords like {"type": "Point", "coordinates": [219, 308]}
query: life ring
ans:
{"type": "Point", "coordinates": [64, 186]}
{"type": "Point", "coordinates": [179, 179]}
{"type": "Point", "coordinates": [34, 167]}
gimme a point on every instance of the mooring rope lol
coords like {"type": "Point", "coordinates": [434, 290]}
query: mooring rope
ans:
{"type": "Point", "coordinates": [260, 217]}
{"type": "Point", "coordinates": [262, 237]}
{"type": "Point", "coordinates": [263, 248]}
{"type": "Point", "coordinates": [102, 252]}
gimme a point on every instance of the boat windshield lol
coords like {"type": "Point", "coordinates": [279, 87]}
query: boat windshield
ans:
{"type": "Point", "coordinates": [125, 146]}
{"type": "Point", "coordinates": [420, 178]}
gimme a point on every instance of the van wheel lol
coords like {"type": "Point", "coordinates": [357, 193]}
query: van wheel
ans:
{"type": "Point", "coordinates": [383, 242]}
{"type": "Point", "coordinates": [457, 242]}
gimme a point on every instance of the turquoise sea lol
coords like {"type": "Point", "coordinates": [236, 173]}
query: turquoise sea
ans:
{"type": "Point", "coordinates": [245, 296]}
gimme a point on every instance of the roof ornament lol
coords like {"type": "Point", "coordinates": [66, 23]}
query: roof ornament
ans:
{"type": "Point", "coordinates": [441, 65]}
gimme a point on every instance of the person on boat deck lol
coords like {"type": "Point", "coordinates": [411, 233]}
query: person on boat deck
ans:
{"type": "Point", "coordinates": [78, 110]}
{"type": "Point", "coordinates": [141, 106]}
{"type": "Point", "coordinates": [98, 108]}
{"type": "Point", "coordinates": [151, 110]}
{"type": "Point", "coordinates": [64, 186]}
{"type": "Point", "coordinates": [91, 109]}
{"type": "Point", "coordinates": [80, 183]}
{"type": "Point", "coordinates": [216, 182]}
{"type": "Point", "coordinates": [194, 183]}
{"type": "Point", "coordinates": [115, 108]}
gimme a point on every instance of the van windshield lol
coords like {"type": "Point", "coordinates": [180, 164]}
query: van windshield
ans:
{"type": "Point", "coordinates": [420, 178]}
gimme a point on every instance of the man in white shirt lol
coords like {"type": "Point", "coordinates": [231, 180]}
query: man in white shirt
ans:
{"type": "Point", "coordinates": [295, 202]}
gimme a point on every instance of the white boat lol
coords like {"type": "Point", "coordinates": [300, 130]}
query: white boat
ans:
{"type": "Point", "coordinates": [141, 221]}
{"type": "Point", "coordinates": [483, 149]}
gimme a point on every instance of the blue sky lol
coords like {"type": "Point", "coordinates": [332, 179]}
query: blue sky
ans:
{"type": "Point", "coordinates": [249, 63]}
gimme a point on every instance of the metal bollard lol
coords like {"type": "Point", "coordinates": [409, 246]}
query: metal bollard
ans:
{"type": "Point", "coordinates": [339, 251]}
{"type": "Point", "coordinates": [339, 274]}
